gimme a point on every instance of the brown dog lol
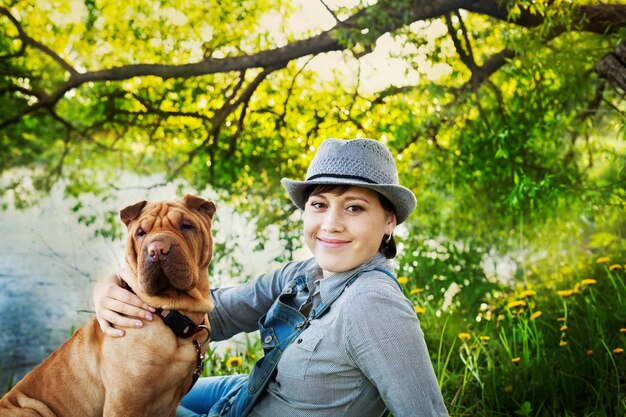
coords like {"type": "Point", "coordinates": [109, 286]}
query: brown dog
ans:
{"type": "Point", "coordinates": [146, 372]}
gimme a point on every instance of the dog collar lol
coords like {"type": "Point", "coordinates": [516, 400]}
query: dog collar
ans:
{"type": "Point", "coordinates": [181, 325]}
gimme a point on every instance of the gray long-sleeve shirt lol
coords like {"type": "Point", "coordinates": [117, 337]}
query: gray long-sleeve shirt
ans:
{"type": "Point", "coordinates": [367, 353]}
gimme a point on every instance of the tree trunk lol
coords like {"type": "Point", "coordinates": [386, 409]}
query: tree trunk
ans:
{"type": "Point", "coordinates": [612, 67]}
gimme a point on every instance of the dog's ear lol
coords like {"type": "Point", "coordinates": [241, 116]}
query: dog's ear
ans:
{"type": "Point", "coordinates": [200, 204]}
{"type": "Point", "coordinates": [130, 213]}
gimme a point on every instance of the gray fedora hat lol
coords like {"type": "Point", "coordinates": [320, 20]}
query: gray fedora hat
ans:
{"type": "Point", "coordinates": [363, 162]}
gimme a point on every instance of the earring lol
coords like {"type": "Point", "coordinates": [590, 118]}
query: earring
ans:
{"type": "Point", "coordinates": [389, 237]}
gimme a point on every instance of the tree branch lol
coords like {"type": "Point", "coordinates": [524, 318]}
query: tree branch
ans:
{"type": "Point", "coordinates": [465, 55]}
{"type": "Point", "coordinates": [598, 18]}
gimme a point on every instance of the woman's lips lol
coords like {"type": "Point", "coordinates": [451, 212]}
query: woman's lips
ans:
{"type": "Point", "coordinates": [332, 243]}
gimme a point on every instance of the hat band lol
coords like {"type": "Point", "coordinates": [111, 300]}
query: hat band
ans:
{"type": "Point", "coordinates": [351, 177]}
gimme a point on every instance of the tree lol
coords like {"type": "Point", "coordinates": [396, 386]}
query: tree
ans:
{"type": "Point", "coordinates": [506, 106]}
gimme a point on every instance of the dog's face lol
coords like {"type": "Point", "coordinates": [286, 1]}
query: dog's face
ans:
{"type": "Point", "coordinates": [169, 247]}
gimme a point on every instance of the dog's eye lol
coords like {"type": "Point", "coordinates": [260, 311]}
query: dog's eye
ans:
{"type": "Point", "coordinates": [140, 233]}
{"type": "Point", "coordinates": [186, 226]}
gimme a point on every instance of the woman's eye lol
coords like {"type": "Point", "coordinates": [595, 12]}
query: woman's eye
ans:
{"type": "Point", "coordinates": [317, 205]}
{"type": "Point", "coordinates": [355, 209]}
{"type": "Point", "coordinates": [140, 233]}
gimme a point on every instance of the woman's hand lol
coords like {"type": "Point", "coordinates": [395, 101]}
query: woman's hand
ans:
{"type": "Point", "coordinates": [115, 306]}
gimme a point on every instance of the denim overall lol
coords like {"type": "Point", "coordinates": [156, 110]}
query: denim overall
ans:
{"type": "Point", "coordinates": [278, 327]}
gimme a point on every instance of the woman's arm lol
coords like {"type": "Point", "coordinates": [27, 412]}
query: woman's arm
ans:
{"type": "Point", "coordinates": [386, 343]}
{"type": "Point", "coordinates": [238, 309]}
{"type": "Point", "coordinates": [115, 306]}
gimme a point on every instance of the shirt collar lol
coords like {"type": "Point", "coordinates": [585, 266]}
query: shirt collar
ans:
{"type": "Point", "coordinates": [335, 283]}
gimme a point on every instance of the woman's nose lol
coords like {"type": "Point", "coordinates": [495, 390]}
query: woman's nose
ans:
{"type": "Point", "coordinates": [332, 221]}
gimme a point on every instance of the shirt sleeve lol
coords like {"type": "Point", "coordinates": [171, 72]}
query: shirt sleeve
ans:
{"type": "Point", "coordinates": [385, 341]}
{"type": "Point", "coordinates": [238, 309]}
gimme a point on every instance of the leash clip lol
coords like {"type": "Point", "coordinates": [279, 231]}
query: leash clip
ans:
{"type": "Point", "coordinates": [200, 327]}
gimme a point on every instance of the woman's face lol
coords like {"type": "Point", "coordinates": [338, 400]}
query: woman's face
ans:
{"type": "Point", "coordinates": [344, 231]}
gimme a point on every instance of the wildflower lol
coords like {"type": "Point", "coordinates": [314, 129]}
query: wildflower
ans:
{"type": "Point", "coordinates": [565, 293]}
{"type": "Point", "coordinates": [603, 260]}
{"type": "Point", "coordinates": [589, 352]}
{"type": "Point", "coordinates": [518, 303]}
{"type": "Point", "coordinates": [464, 336]}
{"type": "Point", "coordinates": [618, 351]}
{"type": "Point", "coordinates": [588, 281]}
{"type": "Point", "coordinates": [535, 315]}
{"type": "Point", "coordinates": [484, 339]}
{"type": "Point", "coordinates": [415, 291]}
{"type": "Point", "coordinates": [419, 310]}
{"type": "Point", "coordinates": [234, 362]}
{"type": "Point", "coordinates": [563, 343]}
{"type": "Point", "coordinates": [563, 328]}
{"type": "Point", "coordinates": [403, 280]}
{"type": "Point", "coordinates": [560, 319]}
{"type": "Point", "coordinates": [622, 330]}
{"type": "Point", "coordinates": [614, 267]}
{"type": "Point", "coordinates": [528, 294]}
{"type": "Point", "coordinates": [508, 388]}
{"type": "Point", "coordinates": [516, 360]}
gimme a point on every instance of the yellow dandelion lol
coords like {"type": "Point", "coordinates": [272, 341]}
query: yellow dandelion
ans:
{"type": "Point", "coordinates": [563, 328]}
{"type": "Point", "coordinates": [565, 293]}
{"type": "Point", "coordinates": [588, 281]}
{"type": "Point", "coordinates": [484, 339]}
{"type": "Point", "coordinates": [419, 310]}
{"type": "Point", "coordinates": [614, 267]}
{"type": "Point", "coordinates": [464, 336]}
{"type": "Point", "coordinates": [535, 315]}
{"type": "Point", "coordinates": [589, 352]}
{"type": "Point", "coordinates": [618, 351]}
{"type": "Point", "coordinates": [603, 260]}
{"type": "Point", "coordinates": [403, 280]}
{"type": "Point", "coordinates": [622, 330]}
{"type": "Point", "coordinates": [563, 343]}
{"type": "Point", "coordinates": [516, 360]}
{"type": "Point", "coordinates": [234, 362]}
{"type": "Point", "coordinates": [528, 294]}
{"type": "Point", "coordinates": [518, 303]}
{"type": "Point", "coordinates": [416, 291]}
{"type": "Point", "coordinates": [508, 388]}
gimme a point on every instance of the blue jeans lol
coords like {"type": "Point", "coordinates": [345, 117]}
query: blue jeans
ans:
{"type": "Point", "coordinates": [207, 392]}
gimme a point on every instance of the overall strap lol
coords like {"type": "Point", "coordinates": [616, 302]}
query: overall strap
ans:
{"type": "Point", "coordinates": [390, 275]}
{"type": "Point", "coordinates": [322, 307]}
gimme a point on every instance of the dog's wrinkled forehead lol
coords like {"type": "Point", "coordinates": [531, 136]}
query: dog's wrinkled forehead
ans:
{"type": "Point", "coordinates": [160, 215]}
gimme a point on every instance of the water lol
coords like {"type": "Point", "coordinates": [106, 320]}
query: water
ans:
{"type": "Point", "coordinates": [48, 264]}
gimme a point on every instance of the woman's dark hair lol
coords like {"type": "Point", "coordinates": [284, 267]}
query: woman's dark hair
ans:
{"type": "Point", "coordinates": [388, 245]}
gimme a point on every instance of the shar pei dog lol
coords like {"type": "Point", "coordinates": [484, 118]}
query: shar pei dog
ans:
{"type": "Point", "coordinates": [149, 370]}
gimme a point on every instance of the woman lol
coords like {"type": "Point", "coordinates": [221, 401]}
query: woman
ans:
{"type": "Point", "coordinates": [364, 355]}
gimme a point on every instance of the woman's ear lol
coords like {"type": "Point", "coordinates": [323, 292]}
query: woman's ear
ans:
{"type": "Point", "coordinates": [392, 222]}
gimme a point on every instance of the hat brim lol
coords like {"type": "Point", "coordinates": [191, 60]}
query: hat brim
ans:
{"type": "Point", "coordinates": [401, 197]}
